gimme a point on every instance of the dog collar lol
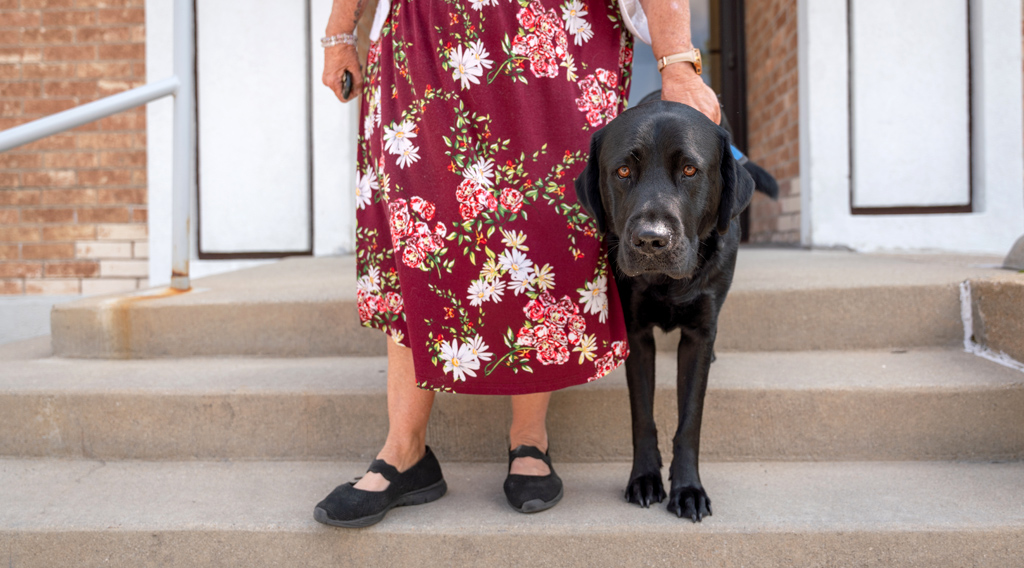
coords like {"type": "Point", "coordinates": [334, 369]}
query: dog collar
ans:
{"type": "Point", "coordinates": [738, 156]}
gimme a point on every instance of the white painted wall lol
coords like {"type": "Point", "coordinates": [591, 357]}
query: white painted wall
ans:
{"type": "Point", "coordinates": [334, 131]}
{"type": "Point", "coordinates": [998, 131]}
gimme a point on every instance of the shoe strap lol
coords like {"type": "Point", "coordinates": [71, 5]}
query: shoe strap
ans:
{"type": "Point", "coordinates": [528, 452]}
{"type": "Point", "coordinates": [386, 470]}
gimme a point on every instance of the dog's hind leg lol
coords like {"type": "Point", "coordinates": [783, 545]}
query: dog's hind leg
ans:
{"type": "Point", "coordinates": [645, 485]}
{"type": "Point", "coordinates": [687, 497]}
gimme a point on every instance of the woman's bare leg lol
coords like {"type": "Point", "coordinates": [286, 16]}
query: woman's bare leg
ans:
{"type": "Point", "coordinates": [529, 428]}
{"type": "Point", "coordinates": [408, 413]}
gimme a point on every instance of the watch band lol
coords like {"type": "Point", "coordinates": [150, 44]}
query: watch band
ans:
{"type": "Point", "coordinates": [692, 56]}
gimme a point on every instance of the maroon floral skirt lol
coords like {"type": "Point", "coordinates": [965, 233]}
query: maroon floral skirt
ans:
{"type": "Point", "coordinates": [471, 247]}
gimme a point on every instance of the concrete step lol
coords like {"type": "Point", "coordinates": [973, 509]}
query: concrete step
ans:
{"type": "Point", "coordinates": [923, 404]}
{"type": "Point", "coordinates": [781, 299]}
{"type": "Point", "coordinates": [139, 514]}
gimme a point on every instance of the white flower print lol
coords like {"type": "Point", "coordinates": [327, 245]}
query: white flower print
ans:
{"type": "Point", "coordinates": [516, 263]}
{"type": "Point", "coordinates": [365, 186]}
{"type": "Point", "coordinates": [480, 53]}
{"type": "Point", "coordinates": [397, 336]}
{"type": "Point", "coordinates": [570, 67]}
{"type": "Point", "coordinates": [465, 67]}
{"type": "Point", "coordinates": [369, 282]}
{"type": "Point", "coordinates": [594, 297]}
{"type": "Point", "coordinates": [582, 33]}
{"type": "Point", "coordinates": [514, 239]}
{"type": "Point", "coordinates": [477, 292]}
{"type": "Point", "coordinates": [573, 12]}
{"type": "Point", "coordinates": [544, 277]}
{"type": "Point", "coordinates": [373, 116]}
{"type": "Point", "coordinates": [408, 156]}
{"type": "Point", "coordinates": [494, 290]}
{"type": "Point", "coordinates": [397, 139]}
{"type": "Point", "coordinates": [586, 348]}
{"type": "Point", "coordinates": [479, 348]}
{"type": "Point", "coordinates": [521, 286]}
{"type": "Point", "coordinates": [491, 270]}
{"type": "Point", "coordinates": [479, 4]}
{"type": "Point", "coordinates": [459, 360]}
{"type": "Point", "coordinates": [481, 172]}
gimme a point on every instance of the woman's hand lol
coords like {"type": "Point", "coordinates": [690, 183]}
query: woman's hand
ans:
{"type": "Point", "coordinates": [681, 83]}
{"type": "Point", "coordinates": [337, 60]}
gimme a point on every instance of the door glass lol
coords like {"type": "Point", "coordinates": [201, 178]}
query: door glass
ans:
{"type": "Point", "coordinates": [705, 37]}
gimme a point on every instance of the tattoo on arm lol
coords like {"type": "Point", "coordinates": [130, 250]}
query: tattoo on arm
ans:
{"type": "Point", "coordinates": [360, 4]}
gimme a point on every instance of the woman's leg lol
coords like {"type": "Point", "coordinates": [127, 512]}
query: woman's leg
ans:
{"type": "Point", "coordinates": [529, 428]}
{"type": "Point", "coordinates": [408, 413]}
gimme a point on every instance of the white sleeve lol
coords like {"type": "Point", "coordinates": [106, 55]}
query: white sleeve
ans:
{"type": "Point", "coordinates": [383, 7]}
{"type": "Point", "coordinates": [635, 19]}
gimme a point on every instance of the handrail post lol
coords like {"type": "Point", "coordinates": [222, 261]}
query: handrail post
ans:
{"type": "Point", "coordinates": [183, 171]}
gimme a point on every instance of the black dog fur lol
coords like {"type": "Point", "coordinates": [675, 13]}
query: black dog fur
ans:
{"type": "Point", "coordinates": [672, 234]}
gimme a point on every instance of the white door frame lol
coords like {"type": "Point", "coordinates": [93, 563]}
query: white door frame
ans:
{"type": "Point", "coordinates": [997, 122]}
{"type": "Point", "coordinates": [334, 155]}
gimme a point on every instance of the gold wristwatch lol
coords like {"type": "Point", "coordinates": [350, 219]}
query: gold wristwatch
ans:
{"type": "Point", "coordinates": [692, 56]}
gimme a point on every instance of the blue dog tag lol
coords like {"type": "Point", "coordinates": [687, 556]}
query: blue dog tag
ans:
{"type": "Point", "coordinates": [737, 155]}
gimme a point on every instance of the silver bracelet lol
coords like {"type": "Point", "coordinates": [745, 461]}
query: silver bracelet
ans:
{"type": "Point", "coordinates": [340, 39]}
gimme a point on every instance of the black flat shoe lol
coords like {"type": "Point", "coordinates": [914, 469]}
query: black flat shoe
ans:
{"type": "Point", "coordinates": [532, 493]}
{"type": "Point", "coordinates": [349, 507]}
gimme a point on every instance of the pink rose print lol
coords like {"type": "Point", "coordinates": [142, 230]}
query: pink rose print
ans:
{"type": "Point", "coordinates": [542, 40]}
{"type": "Point", "coordinates": [511, 199]}
{"type": "Point", "coordinates": [598, 99]}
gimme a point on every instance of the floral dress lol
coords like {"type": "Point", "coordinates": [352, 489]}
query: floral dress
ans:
{"type": "Point", "coordinates": [471, 247]}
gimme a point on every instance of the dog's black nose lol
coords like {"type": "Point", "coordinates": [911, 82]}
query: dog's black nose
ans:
{"type": "Point", "coordinates": [651, 240]}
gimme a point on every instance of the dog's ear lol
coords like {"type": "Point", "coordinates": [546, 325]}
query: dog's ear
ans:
{"type": "Point", "coordinates": [588, 184]}
{"type": "Point", "coordinates": [737, 187]}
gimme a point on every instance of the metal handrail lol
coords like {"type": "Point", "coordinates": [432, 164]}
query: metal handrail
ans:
{"type": "Point", "coordinates": [183, 170]}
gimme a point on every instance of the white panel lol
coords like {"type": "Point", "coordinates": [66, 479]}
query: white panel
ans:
{"type": "Point", "coordinates": [910, 119]}
{"type": "Point", "coordinates": [254, 158]}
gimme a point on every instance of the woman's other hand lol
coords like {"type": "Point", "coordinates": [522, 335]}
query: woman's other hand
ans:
{"type": "Point", "coordinates": [337, 60]}
{"type": "Point", "coordinates": [681, 83]}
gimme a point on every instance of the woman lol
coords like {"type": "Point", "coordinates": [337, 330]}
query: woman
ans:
{"type": "Point", "coordinates": [473, 255]}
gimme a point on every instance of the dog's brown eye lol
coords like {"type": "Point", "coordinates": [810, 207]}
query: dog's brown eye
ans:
{"type": "Point", "coordinates": [688, 171]}
{"type": "Point", "coordinates": [623, 172]}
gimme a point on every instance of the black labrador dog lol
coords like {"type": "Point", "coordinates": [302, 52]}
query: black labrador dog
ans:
{"type": "Point", "coordinates": [665, 189]}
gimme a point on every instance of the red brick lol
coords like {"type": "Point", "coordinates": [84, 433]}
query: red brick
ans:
{"type": "Point", "coordinates": [20, 54]}
{"type": "Point", "coordinates": [69, 18]}
{"type": "Point", "coordinates": [10, 71]}
{"type": "Point", "coordinates": [21, 19]}
{"type": "Point", "coordinates": [9, 179]}
{"type": "Point", "coordinates": [61, 160]}
{"type": "Point", "coordinates": [122, 196]}
{"type": "Point", "coordinates": [8, 216]}
{"type": "Point", "coordinates": [11, 108]}
{"type": "Point", "coordinates": [72, 269]}
{"type": "Point", "coordinates": [123, 159]}
{"type": "Point", "coordinates": [9, 252]}
{"type": "Point", "coordinates": [69, 233]}
{"type": "Point", "coordinates": [103, 35]}
{"type": "Point", "coordinates": [46, 4]}
{"type": "Point", "coordinates": [13, 161]}
{"type": "Point", "coordinates": [106, 141]}
{"type": "Point", "coordinates": [20, 90]}
{"type": "Point", "coordinates": [139, 215]}
{"type": "Point", "coordinates": [12, 287]}
{"type": "Point", "coordinates": [48, 70]}
{"type": "Point", "coordinates": [140, 177]}
{"type": "Point", "coordinates": [21, 269]}
{"type": "Point", "coordinates": [105, 69]}
{"type": "Point", "coordinates": [70, 53]}
{"type": "Point", "coordinates": [48, 251]}
{"type": "Point", "coordinates": [55, 215]}
{"type": "Point", "coordinates": [68, 196]}
{"type": "Point", "coordinates": [123, 51]}
{"type": "Point", "coordinates": [105, 177]}
{"type": "Point", "coordinates": [48, 36]}
{"type": "Point", "coordinates": [49, 178]}
{"type": "Point", "coordinates": [104, 215]}
{"type": "Point", "coordinates": [70, 89]}
{"type": "Point", "coordinates": [124, 121]}
{"type": "Point", "coordinates": [10, 36]}
{"type": "Point", "coordinates": [108, 3]}
{"type": "Point", "coordinates": [125, 16]}
{"type": "Point", "coordinates": [19, 234]}
{"type": "Point", "coordinates": [19, 197]}
{"type": "Point", "coordinates": [47, 107]}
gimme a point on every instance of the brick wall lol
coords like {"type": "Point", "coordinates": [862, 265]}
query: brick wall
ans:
{"type": "Point", "coordinates": [72, 206]}
{"type": "Point", "coordinates": [773, 116]}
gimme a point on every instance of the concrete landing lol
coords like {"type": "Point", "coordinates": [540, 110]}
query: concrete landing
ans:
{"type": "Point", "coordinates": [782, 299]}
{"type": "Point", "coordinates": [927, 404]}
{"type": "Point", "coordinates": [137, 514]}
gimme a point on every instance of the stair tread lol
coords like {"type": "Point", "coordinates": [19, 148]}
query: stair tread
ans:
{"type": "Point", "coordinates": [84, 495]}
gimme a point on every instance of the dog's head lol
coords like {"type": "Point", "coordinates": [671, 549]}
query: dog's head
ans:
{"type": "Point", "coordinates": [661, 177]}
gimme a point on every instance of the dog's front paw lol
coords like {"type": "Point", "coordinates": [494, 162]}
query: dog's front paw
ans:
{"type": "Point", "coordinates": [645, 489]}
{"type": "Point", "coordinates": [690, 502]}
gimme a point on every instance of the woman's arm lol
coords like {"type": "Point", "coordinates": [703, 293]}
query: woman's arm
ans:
{"type": "Point", "coordinates": [340, 58]}
{"type": "Point", "coordinates": [669, 24]}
